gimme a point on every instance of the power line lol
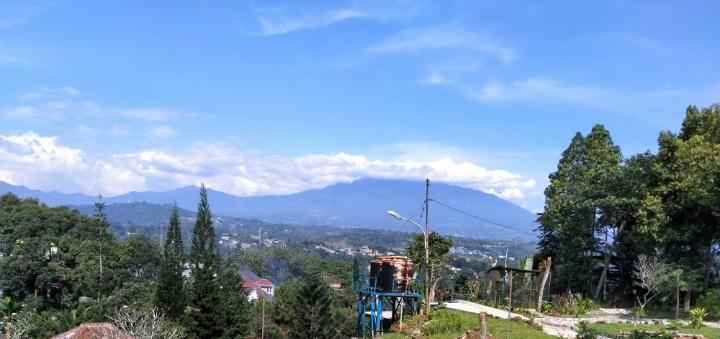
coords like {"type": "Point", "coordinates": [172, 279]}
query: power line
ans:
{"type": "Point", "coordinates": [474, 216]}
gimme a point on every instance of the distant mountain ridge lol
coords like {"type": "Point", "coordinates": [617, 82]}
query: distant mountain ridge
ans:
{"type": "Point", "coordinates": [362, 203]}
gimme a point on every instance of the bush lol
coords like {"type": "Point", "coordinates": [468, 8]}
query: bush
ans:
{"type": "Point", "coordinates": [547, 307]}
{"type": "Point", "coordinates": [585, 306]}
{"type": "Point", "coordinates": [638, 312]}
{"type": "Point", "coordinates": [443, 322]}
{"type": "Point", "coordinates": [674, 325]}
{"type": "Point", "coordinates": [697, 315]}
{"type": "Point", "coordinates": [711, 302]}
{"type": "Point", "coordinates": [645, 335]}
{"type": "Point", "coordinates": [568, 304]}
{"type": "Point", "coordinates": [586, 332]}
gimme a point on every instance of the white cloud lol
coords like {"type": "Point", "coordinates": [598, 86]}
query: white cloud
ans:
{"type": "Point", "coordinates": [444, 37]}
{"type": "Point", "coordinates": [51, 93]}
{"type": "Point", "coordinates": [276, 25]}
{"type": "Point", "coordinates": [68, 102]}
{"type": "Point", "coordinates": [52, 110]}
{"type": "Point", "coordinates": [436, 78]}
{"type": "Point", "coordinates": [162, 132]}
{"type": "Point", "coordinates": [147, 114]}
{"type": "Point", "coordinates": [544, 90]}
{"type": "Point", "coordinates": [42, 162]}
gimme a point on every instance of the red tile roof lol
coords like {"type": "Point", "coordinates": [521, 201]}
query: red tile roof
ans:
{"type": "Point", "coordinates": [94, 331]}
{"type": "Point", "coordinates": [251, 284]}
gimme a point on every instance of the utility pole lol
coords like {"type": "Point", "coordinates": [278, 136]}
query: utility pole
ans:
{"type": "Point", "coordinates": [100, 214]}
{"type": "Point", "coordinates": [427, 248]}
{"type": "Point", "coordinates": [262, 329]}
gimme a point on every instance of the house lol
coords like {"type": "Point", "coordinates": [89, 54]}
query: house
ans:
{"type": "Point", "coordinates": [94, 331]}
{"type": "Point", "coordinates": [256, 287]}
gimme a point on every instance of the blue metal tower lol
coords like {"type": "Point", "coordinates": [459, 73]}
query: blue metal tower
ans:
{"type": "Point", "coordinates": [384, 291]}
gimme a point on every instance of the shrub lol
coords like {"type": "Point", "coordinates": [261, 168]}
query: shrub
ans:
{"type": "Point", "coordinates": [697, 315]}
{"type": "Point", "coordinates": [443, 322]}
{"type": "Point", "coordinates": [586, 332]}
{"type": "Point", "coordinates": [638, 312]}
{"type": "Point", "coordinates": [711, 302]}
{"type": "Point", "coordinates": [547, 307]}
{"type": "Point", "coordinates": [584, 306]}
{"type": "Point", "coordinates": [674, 325]}
{"type": "Point", "coordinates": [645, 335]}
{"type": "Point", "coordinates": [568, 304]}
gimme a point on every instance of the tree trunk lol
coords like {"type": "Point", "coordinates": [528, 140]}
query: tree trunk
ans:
{"type": "Point", "coordinates": [688, 295]}
{"type": "Point", "coordinates": [677, 297]}
{"type": "Point", "coordinates": [546, 274]}
{"type": "Point", "coordinates": [432, 290]}
{"type": "Point", "coordinates": [603, 276]}
{"type": "Point", "coordinates": [608, 255]}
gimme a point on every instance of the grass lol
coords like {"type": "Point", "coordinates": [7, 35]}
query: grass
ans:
{"type": "Point", "coordinates": [450, 324]}
{"type": "Point", "coordinates": [611, 329]}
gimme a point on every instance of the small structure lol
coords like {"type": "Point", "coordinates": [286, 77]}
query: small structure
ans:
{"type": "Point", "coordinates": [256, 287]}
{"type": "Point", "coordinates": [505, 274]}
{"type": "Point", "coordinates": [389, 284]}
{"type": "Point", "coordinates": [94, 331]}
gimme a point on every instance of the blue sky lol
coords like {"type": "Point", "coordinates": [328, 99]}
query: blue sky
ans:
{"type": "Point", "coordinates": [274, 97]}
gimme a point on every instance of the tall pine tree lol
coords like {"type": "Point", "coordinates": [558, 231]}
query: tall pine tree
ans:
{"type": "Point", "coordinates": [236, 309]}
{"type": "Point", "coordinates": [313, 316]}
{"type": "Point", "coordinates": [206, 318]}
{"type": "Point", "coordinates": [170, 294]}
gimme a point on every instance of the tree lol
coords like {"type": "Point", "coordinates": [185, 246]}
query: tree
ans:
{"type": "Point", "coordinates": [205, 316]}
{"type": "Point", "coordinates": [681, 210]}
{"type": "Point", "coordinates": [439, 250]}
{"type": "Point", "coordinates": [283, 304]}
{"type": "Point", "coordinates": [140, 324]}
{"type": "Point", "coordinates": [546, 267]}
{"type": "Point", "coordinates": [170, 294]}
{"type": "Point", "coordinates": [650, 274]}
{"type": "Point", "coordinates": [312, 310]}
{"type": "Point", "coordinates": [586, 210]}
{"type": "Point", "coordinates": [19, 326]}
{"type": "Point", "coordinates": [356, 283]}
{"type": "Point", "coordinates": [565, 222]}
{"type": "Point", "coordinates": [235, 307]}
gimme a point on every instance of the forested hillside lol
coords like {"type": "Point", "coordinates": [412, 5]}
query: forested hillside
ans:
{"type": "Point", "coordinates": [60, 269]}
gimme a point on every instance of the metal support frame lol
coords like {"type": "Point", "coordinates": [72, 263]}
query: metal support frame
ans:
{"type": "Point", "coordinates": [371, 302]}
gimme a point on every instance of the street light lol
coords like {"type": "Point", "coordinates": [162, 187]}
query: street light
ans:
{"type": "Point", "coordinates": [426, 233]}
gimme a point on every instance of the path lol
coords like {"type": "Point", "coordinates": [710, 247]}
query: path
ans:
{"type": "Point", "coordinates": [555, 326]}
{"type": "Point", "coordinates": [563, 327]}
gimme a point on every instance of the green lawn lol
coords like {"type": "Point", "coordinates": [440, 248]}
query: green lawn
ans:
{"type": "Point", "coordinates": [449, 324]}
{"type": "Point", "coordinates": [611, 329]}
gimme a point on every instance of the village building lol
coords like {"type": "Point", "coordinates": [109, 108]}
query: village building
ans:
{"type": "Point", "coordinates": [255, 286]}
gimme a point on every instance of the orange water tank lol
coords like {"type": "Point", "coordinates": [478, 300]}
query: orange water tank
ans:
{"type": "Point", "coordinates": [391, 273]}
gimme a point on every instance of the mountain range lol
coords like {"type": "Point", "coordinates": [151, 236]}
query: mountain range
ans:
{"type": "Point", "coordinates": [363, 203]}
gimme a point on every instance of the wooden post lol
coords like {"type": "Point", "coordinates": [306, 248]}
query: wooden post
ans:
{"type": "Point", "coordinates": [483, 326]}
{"type": "Point", "coordinates": [510, 276]}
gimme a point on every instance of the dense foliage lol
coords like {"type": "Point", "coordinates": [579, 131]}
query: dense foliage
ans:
{"type": "Point", "coordinates": [604, 211]}
{"type": "Point", "coordinates": [52, 279]}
